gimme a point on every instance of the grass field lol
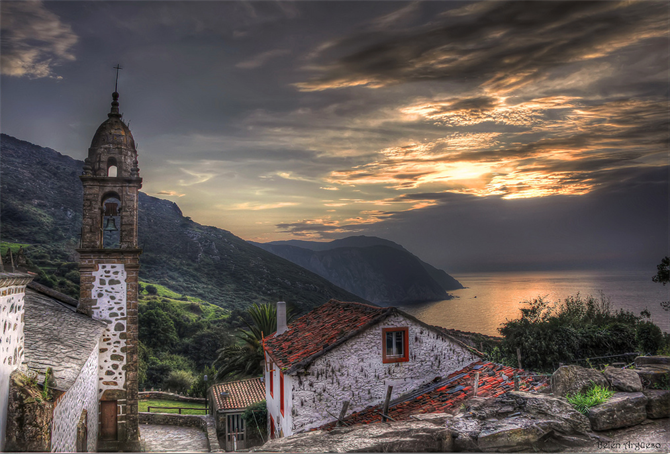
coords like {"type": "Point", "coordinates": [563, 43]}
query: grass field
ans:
{"type": "Point", "coordinates": [145, 404]}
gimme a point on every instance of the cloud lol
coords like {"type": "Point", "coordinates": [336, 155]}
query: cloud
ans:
{"type": "Point", "coordinates": [259, 60]}
{"type": "Point", "coordinates": [34, 40]}
{"type": "Point", "coordinates": [249, 206]}
{"type": "Point", "coordinates": [170, 193]}
{"type": "Point", "coordinates": [501, 46]}
{"type": "Point", "coordinates": [198, 177]}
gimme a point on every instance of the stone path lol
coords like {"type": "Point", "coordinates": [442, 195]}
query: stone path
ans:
{"type": "Point", "coordinates": [173, 439]}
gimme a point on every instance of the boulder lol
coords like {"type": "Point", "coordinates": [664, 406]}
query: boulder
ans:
{"type": "Point", "coordinates": [404, 436]}
{"type": "Point", "coordinates": [621, 410]}
{"type": "Point", "coordinates": [558, 413]}
{"type": "Point", "coordinates": [658, 403]}
{"type": "Point", "coordinates": [575, 379]}
{"type": "Point", "coordinates": [29, 417]}
{"type": "Point", "coordinates": [625, 380]}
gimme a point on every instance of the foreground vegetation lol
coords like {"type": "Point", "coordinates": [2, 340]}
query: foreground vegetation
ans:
{"type": "Point", "coordinates": [573, 330]}
{"type": "Point", "coordinates": [145, 404]}
{"type": "Point", "coordinates": [596, 395]}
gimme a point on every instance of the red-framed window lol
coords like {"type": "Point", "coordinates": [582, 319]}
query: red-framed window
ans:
{"type": "Point", "coordinates": [281, 392]}
{"type": "Point", "coordinates": [272, 379]}
{"type": "Point", "coordinates": [395, 345]}
{"type": "Point", "coordinates": [272, 427]}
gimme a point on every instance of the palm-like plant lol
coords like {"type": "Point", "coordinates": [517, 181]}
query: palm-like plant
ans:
{"type": "Point", "coordinates": [243, 359]}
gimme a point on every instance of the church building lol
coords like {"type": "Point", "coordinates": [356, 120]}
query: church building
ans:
{"type": "Point", "coordinates": [85, 352]}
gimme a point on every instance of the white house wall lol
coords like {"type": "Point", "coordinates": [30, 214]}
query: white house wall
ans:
{"type": "Point", "coordinates": [283, 424]}
{"type": "Point", "coordinates": [354, 371]}
{"type": "Point", "coordinates": [82, 395]}
{"type": "Point", "coordinates": [11, 344]}
{"type": "Point", "coordinates": [109, 288]}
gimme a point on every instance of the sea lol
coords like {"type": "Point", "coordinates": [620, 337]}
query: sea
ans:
{"type": "Point", "coordinates": [490, 299]}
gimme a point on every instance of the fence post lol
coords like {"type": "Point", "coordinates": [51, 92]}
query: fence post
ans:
{"type": "Point", "coordinates": [516, 382]}
{"type": "Point", "coordinates": [385, 410]}
{"type": "Point", "coordinates": [476, 384]}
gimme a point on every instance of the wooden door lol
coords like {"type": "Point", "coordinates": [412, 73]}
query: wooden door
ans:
{"type": "Point", "coordinates": [108, 420]}
{"type": "Point", "coordinates": [235, 433]}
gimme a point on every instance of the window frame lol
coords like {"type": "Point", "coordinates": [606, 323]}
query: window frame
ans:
{"type": "Point", "coordinates": [405, 339]}
{"type": "Point", "coordinates": [281, 392]}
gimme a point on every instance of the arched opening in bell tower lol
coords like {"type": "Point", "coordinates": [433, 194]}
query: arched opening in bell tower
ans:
{"type": "Point", "coordinates": [112, 167]}
{"type": "Point", "coordinates": [111, 221]}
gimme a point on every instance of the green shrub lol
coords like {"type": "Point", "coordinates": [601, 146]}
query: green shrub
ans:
{"type": "Point", "coordinates": [649, 337]}
{"type": "Point", "coordinates": [151, 290]}
{"type": "Point", "coordinates": [256, 417]}
{"type": "Point", "coordinates": [594, 396]}
{"type": "Point", "coordinates": [551, 333]}
{"type": "Point", "coordinates": [179, 381]}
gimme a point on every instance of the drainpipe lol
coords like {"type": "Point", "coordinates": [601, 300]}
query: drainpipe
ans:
{"type": "Point", "coordinates": [281, 317]}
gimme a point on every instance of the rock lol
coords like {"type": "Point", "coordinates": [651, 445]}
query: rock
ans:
{"type": "Point", "coordinates": [575, 379]}
{"type": "Point", "coordinates": [625, 380]}
{"type": "Point", "coordinates": [653, 361]}
{"type": "Point", "coordinates": [621, 410]}
{"type": "Point", "coordinates": [652, 376]}
{"type": "Point", "coordinates": [28, 416]}
{"type": "Point", "coordinates": [558, 412]}
{"type": "Point", "coordinates": [510, 436]}
{"type": "Point", "coordinates": [658, 403]}
{"type": "Point", "coordinates": [403, 436]}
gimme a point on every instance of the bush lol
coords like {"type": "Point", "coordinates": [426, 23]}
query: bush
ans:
{"type": "Point", "coordinates": [590, 398]}
{"type": "Point", "coordinates": [649, 337]}
{"type": "Point", "coordinates": [256, 417]}
{"type": "Point", "coordinates": [551, 333]}
{"type": "Point", "coordinates": [152, 290]}
{"type": "Point", "coordinates": [179, 381]}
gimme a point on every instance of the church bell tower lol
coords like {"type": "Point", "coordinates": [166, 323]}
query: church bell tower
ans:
{"type": "Point", "coordinates": [109, 267]}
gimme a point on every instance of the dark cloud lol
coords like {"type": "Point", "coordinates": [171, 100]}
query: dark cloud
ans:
{"type": "Point", "coordinates": [503, 44]}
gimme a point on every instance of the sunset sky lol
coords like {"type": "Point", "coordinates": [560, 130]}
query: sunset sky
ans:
{"type": "Point", "coordinates": [479, 135]}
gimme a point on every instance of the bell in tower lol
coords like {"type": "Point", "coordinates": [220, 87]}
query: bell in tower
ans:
{"type": "Point", "coordinates": [109, 267]}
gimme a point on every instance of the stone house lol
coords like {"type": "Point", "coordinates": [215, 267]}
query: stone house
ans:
{"type": "Point", "coordinates": [350, 352]}
{"type": "Point", "coordinates": [227, 402]}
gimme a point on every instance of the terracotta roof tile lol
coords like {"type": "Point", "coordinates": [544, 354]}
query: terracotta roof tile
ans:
{"type": "Point", "coordinates": [241, 393]}
{"type": "Point", "coordinates": [319, 329]}
{"type": "Point", "coordinates": [448, 394]}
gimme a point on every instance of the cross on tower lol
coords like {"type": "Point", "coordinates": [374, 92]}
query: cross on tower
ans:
{"type": "Point", "coordinates": [116, 84]}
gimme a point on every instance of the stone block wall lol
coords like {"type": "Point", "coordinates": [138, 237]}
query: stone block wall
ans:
{"type": "Point", "coordinates": [99, 284]}
{"type": "Point", "coordinates": [355, 371]}
{"type": "Point", "coordinates": [12, 294]}
{"type": "Point", "coordinates": [82, 395]}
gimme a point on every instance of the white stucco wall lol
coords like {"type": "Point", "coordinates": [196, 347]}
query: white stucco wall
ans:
{"type": "Point", "coordinates": [354, 371]}
{"type": "Point", "coordinates": [283, 423]}
{"type": "Point", "coordinates": [11, 344]}
{"type": "Point", "coordinates": [109, 288]}
{"type": "Point", "coordinates": [83, 394]}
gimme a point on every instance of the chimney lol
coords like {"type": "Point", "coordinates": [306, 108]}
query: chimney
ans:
{"type": "Point", "coordinates": [281, 317]}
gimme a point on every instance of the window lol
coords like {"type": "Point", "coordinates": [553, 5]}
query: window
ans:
{"type": "Point", "coordinates": [272, 427]}
{"type": "Point", "coordinates": [394, 345]}
{"type": "Point", "coordinates": [281, 392]}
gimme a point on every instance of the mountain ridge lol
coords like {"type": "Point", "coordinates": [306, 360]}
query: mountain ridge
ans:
{"type": "Point", "coordinates": [42, 205]}
{"type": "Point", "coordinates": [391, 273]}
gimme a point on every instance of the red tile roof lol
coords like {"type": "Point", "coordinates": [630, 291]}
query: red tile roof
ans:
{"type": "Point", "coordinates": [447, 395]}
{"type": "Point", "coordinates": [241, 393]}
{"type": "Point", "coordinates": [321, 329]}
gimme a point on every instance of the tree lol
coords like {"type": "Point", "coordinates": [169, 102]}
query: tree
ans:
{"type": "Point", "coordinates": [157, 330]}
{"type": "Point", "coordinates": [663, 276]}
{"type": "Point", "coordinates": [152, 290]}
{"type": "Point", "coordinates": [243, 359]}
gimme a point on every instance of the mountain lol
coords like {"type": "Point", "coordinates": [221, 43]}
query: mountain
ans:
{"type": "Point", "coordinates": [42, 207]}
{"type": "Point", "coordinates": [373, 268]}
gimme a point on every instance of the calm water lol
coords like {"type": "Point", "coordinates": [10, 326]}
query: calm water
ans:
{"type": "Point", "coordinates": [491, 298]}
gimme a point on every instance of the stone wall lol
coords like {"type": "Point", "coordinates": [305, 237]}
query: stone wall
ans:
{"type": "Point", "coordinates": [354, 371]}
{"type": "Point", "coordinates": [96, 266]}
{"type": "Point", "coordinates": [82, 395]}
{"type": "Point", "coordinates": [161, 395]}
{"type": "Point", "coordinates": [12, 293]}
